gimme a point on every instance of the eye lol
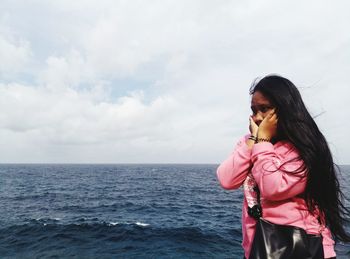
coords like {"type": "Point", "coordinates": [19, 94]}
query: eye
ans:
{"type": "Point", "coordinates": [264, 109]}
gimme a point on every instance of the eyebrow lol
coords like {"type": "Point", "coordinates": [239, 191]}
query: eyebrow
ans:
{"type": "Point", "coordinates": [262, 105]}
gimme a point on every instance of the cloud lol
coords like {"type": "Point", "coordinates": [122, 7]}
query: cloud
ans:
{"type": "Point", "coordinates": [71, 118]}
{"type": "Point", "coordinates": [49, 120]}
{"type": "Point", "coordinates": [69, 71]}
{"type": "Point", "coordinates": [14, 56]}
{"type": "Point", "coordinates": [133, 35]}
{"type": "Point", "coordinates": [68, 91]}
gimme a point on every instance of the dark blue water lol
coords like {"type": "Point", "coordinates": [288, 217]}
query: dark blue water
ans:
{"type": "Point", "coordinates": [120, 211]}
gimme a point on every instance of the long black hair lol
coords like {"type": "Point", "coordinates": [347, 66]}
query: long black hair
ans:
{"type": "Point", "coordinates": [296, 125]}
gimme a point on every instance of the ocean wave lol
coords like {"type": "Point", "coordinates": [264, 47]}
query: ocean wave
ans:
{"type": "Point", "coordinates": [142, 224]}
{"type": "Point", "coordinates": [111, 237]}
{"type": "Point", "coordinates": [129, 223]}
{"type": "Point", "coordinates": [80, 221]}
{"type": "Point", "coordinates": [40, 219]}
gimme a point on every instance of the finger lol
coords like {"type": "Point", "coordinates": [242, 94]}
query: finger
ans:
{"type": "Point", "coordinates": [274, 118]}
{"type": "Point", "coordinates": [252, 122]}
{"type": "Point", "coordinates": [272, 112]}
{"type": "Point", "coordinates": [269, 117]}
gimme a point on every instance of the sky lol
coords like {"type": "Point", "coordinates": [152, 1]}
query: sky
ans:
{"type": "Point", "coordinates": [161, 81]}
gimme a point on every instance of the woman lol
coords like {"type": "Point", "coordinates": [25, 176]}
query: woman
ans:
{"type": "Point", "coordinates": [288, 158]}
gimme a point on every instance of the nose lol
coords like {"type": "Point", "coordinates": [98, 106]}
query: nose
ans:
{"type": "Point", "coordinates": [258, 118]}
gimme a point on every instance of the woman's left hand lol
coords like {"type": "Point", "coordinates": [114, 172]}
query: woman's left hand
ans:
{"type": "Point", "coordinates": [268, 127]}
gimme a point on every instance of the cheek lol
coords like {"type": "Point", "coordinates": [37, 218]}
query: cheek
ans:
{"type": "Point", "coordinates": [263, 115]}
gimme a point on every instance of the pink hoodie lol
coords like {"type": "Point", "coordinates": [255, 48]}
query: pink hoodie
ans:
{"type": "Point", "coordinates": [278, 190]}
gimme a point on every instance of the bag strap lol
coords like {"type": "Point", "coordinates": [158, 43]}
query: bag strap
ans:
{"type": "Point", "coordinates": [252, 195]}
{"type": "Point", "coordinates": [256, 211]}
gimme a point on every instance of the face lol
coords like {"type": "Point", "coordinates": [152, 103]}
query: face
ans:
{"type": "Point", "coordinates": [260, 106]}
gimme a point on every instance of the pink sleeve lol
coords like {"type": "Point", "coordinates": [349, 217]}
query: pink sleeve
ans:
{"type": "Point", "coordinates": [328, 244]}
{"type": "Point", "coordinates": [233, 171]}
{"type": "Point", "coordinates": [275, 182]}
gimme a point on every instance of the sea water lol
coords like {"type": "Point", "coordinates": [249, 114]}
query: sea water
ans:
{"type": "Point", "coordinates": [121, 211]}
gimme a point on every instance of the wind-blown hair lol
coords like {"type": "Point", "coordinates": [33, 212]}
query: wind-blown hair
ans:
{"type": "Point", "coordinates": [296, 125]}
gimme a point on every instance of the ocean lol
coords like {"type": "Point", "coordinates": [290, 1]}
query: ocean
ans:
{"type": "Point", "coordinates": [121, 211]}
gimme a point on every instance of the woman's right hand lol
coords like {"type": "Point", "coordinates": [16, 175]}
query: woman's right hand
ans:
{"type": "Point", "coordinates": [253, 127]}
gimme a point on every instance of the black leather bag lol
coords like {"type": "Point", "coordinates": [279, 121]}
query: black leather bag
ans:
{"type": "Point", "coordinates": [272, 241]}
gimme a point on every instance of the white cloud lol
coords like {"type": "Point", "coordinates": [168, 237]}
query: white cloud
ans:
{"type": "Point", "coordinates": [74, 119]}
{"type": "Point", "coordinates": [195, 60]}
{"type": "Point", "coordinates": [66, 72]}
{"type": "Point", "coordinates": [14, 55]}
{"type": "Point", "coordinates": [131, 35]}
